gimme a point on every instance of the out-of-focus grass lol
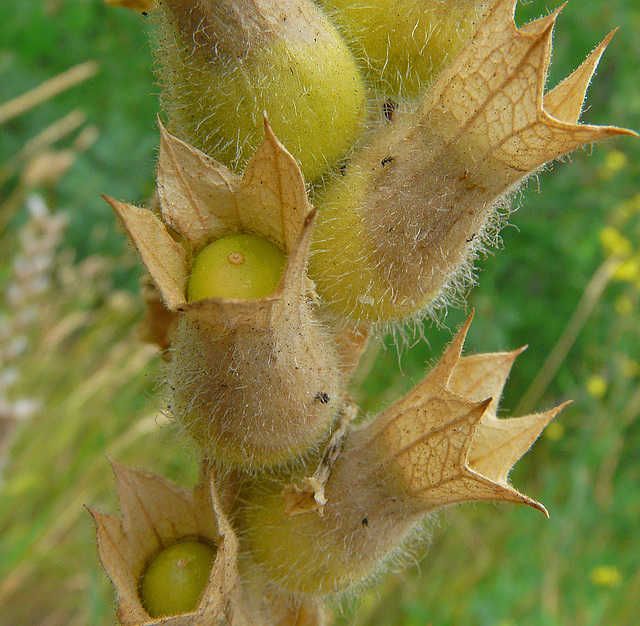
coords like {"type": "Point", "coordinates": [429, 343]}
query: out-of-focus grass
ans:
{"type": "Point", "coordinates": [487, 564]}
{"type": "Point", "coordinates": [94, 381]}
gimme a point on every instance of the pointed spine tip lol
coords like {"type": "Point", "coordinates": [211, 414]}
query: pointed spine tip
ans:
{"type": "Point", "coordinates": [164, 133]}
{"type": "Point", "coordinates": [539, 507]}
{"type": "Point", "coordinates": [310, 219]}
{"type": "Point", "coordinates": [482, 407]}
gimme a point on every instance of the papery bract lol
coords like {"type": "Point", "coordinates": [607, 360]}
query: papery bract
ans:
{"type": "Point", "coordinates": [440, 445]}
{"type": "Point", "coordinates": [398, 231]}
{"type": "Point", "coordinates": [255, 382]}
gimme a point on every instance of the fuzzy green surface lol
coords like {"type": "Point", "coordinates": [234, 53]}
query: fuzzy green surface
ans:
{"type": "Point", "coordinates": [311, 92]}
{"type": "Point", "coordinates": [403, 44]}
{"type": "Point", "coordinates": [486, 565]}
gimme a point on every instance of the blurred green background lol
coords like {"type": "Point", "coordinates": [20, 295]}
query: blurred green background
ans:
{"type": "Point", "coordinates": [76, 386]}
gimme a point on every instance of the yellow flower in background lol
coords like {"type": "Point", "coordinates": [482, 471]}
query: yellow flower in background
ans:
{"type": "Point", "coordinates": [597, 386]}
{"type": "Point", "coordinates": [554, 431]}
{"type": "Point", "coordinates": [623, 306]}
{"type": "Point", "coordinates": [606, 576]}
{"type": "Point", "coordinates": [629, 271]}
{"type": "Point", "coordinates": [615, 161]}
{"type": "Point", "coordinates": [614, 242]}
{"type": "Point", "coordinates": [630, 368]}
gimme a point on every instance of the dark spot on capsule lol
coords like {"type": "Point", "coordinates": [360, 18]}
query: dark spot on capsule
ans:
{"type": "Point", "coordinates": [386, 160]}
{"type": "Point", "coordinates": [322, 397]}
{"type": "Point", "coordinates": [365, 523]}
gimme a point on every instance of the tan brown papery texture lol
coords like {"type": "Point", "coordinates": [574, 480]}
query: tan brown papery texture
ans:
{"type": "Point", "coordinates": [427, 436]}
{"type": "Point", "coordinates": [164, 258]}
{"type": "Point", "coordinates": [498, 443]}
{"type": "Point", "coordinates": [155, 514]}
{"type": "Point", "coordinates": [159, 323]}
{"type": "Point", "coordinates": [417, 201]}
{"type": "Point", "coordinates": [440, 445]}
{"type": "Point", "coordinates": [254, 382]}
{"type": "Point", "coordinates": [202, 200]}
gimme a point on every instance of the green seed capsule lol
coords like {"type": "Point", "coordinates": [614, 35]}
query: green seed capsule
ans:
{"type": "Point", "coordinates": [404, 44]}
{"type": "Point", "coordinates": [176, 578]}
{"type": "Point", "coordinates": [223, 64]}
{"type": "Point", "coordinates": [242, 267]}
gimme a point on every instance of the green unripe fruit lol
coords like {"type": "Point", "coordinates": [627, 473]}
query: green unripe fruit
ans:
{"type": "Point", "coordinates": [364, 521]}
{"type": "Point", "coordinates": [395, 232]}
{"type": "Point", "coordinates": [404, 43]}
{"type": "Point", "coordinates": [242, 267]}
{"type": "Point", "coordinates": [224, 63]}
{"type": "Point", "coordinates": [346, 268]}
{"type": "Point", "coordinates": [176, 578]}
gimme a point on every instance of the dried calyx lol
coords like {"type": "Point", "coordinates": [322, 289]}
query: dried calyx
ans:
{"type": "Point", "coordinates": [255, 381]}
{"type": "Point", "coordinates": [157, 515]}
{"type": "Point", "coordinates": [399, 230]}
{"type": "Point", "coordinates": [440, 445]}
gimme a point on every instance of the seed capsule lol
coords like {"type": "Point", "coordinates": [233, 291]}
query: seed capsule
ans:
{"type": "Point", "coordinates": [241, 267]}
{"type": "Point", "coordinates": [224, 63]}
{"type": "Point", "coordinates": [440, 445]}
{"type": "Point", "coordinates": [404, 44]}
{"type": "Point", "coordinates": [398, 231]}
{"type": "Point", "coordinates": [256, 383]}
{"type": "Point", "coordinates": [176, 577]}
{"type": "Point", "coordinates": [254, 376]}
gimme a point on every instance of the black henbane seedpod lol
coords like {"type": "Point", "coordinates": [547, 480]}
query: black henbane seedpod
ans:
{"type": "Point", "coordinates": [254, 379]}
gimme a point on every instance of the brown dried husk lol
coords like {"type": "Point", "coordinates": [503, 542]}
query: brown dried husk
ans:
{"type": "Point", "coordinates": [256, 383]}
{"type": "Point", "coordinates": [440, 445]}
{"type": "Point", "coordinates": [155, 514]}
{"type": "Point", "coordinates": [398, 231]}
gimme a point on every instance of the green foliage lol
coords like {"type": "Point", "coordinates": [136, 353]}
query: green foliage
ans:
{"type": "Point", "coordinates": [42, 39]}
{"type": "Point", "coordinates": [491, 566]}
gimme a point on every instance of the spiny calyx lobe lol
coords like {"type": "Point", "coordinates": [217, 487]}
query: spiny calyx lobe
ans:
{"type": "Point", "coordinates": [401, 227]}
